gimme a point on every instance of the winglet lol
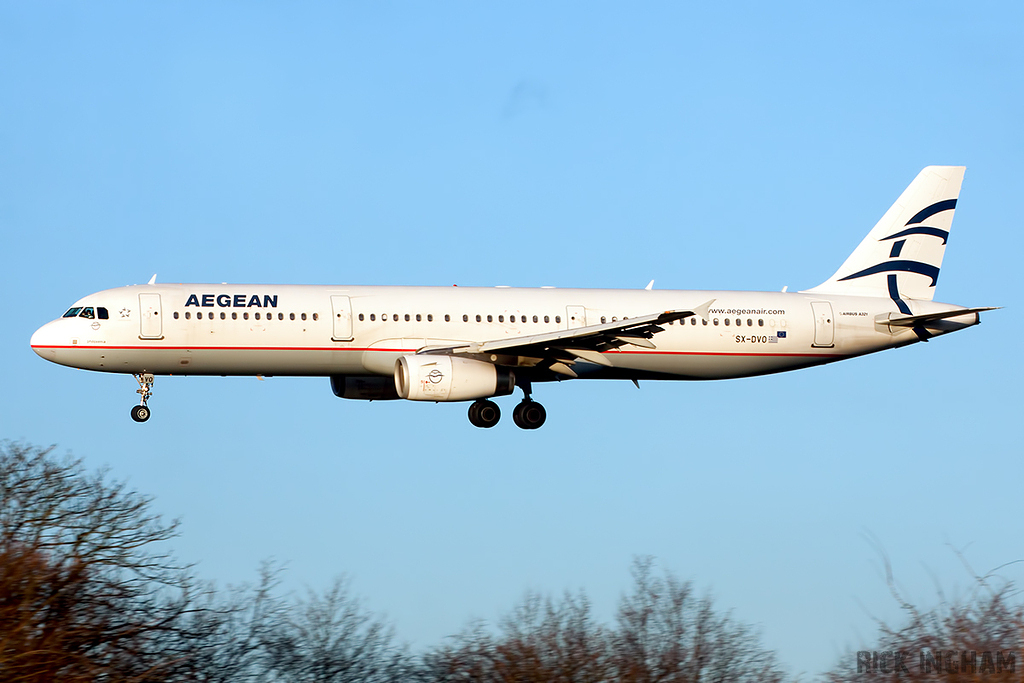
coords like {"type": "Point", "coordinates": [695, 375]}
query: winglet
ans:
{"type": "Point", "coordinates": [152, 280]}
{"type": "Point", "coordinates": [704, 309]}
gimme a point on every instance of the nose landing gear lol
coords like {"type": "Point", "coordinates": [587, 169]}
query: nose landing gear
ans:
{"type": "Point", "coordinates": [141, 412]}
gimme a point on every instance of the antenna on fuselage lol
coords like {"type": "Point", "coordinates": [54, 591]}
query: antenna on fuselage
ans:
{"type": "Point", "coordinates": [152, 280]}
{"type": "Point", "coordinates": [649, 286]}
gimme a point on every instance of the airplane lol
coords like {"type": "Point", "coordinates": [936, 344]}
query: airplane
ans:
{"type": "Point", "coordinates": [473, 344]}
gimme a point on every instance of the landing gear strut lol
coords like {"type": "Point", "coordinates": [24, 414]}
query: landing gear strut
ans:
{"type": "Point", "coordinates": [140, 413]}
{"type": "Point", "coordinates": [529, 414]}
{"type": "Point", "coordinates": [484, 413]}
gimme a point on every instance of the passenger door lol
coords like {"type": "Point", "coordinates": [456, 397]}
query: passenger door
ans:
{"type": "Point", "coordinates": [151, 325]}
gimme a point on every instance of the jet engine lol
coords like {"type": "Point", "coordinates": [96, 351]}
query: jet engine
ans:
{"type": "Point", "coordinates": [364, 387]}
{"type": "Point", "coordinates": [445, 378]}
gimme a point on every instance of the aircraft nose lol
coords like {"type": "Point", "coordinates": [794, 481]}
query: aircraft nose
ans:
{"type": "Point", "coordinates": [44, 340]}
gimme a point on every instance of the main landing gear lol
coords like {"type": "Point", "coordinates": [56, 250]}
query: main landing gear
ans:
{"type": "Point", "coordinates": [484, 413]}
{"type": "Point", "coordinates": [527, 415]}
{"type": "Point", "coordinates": [140, 413]}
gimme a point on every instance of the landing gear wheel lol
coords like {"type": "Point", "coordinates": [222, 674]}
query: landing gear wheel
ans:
{"type": "Point", "coordinates": [484, 414]}
{"type": "Point", "coordinates": [140, 413]}
{"type": "Point", "coordinates": [529, 415]}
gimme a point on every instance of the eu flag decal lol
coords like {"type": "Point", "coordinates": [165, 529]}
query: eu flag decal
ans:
{"type": "Point", "coordinates": [781, 334]}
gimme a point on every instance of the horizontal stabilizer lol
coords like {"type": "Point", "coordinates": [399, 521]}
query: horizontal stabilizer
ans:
{"type": "Point", "coordinates": [915, 320]}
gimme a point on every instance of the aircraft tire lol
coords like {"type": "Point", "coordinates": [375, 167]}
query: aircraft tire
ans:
{"type": "Point", "coordinates": [484, 414]}
{"type": "Point", "coordinates": [529, 415]}
{"type": "Point", "coordinates": [140, 413]}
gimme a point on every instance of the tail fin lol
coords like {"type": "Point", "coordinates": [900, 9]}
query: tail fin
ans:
{"type": "Point", "coordinates": [901, 256]}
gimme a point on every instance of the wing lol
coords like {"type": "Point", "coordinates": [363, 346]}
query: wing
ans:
{"type": "Point", "coordinates": [557, 351]}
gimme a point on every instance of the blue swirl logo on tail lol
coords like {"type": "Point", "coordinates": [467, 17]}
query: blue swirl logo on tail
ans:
{"type": "Point", "coordinates": [912, 227]}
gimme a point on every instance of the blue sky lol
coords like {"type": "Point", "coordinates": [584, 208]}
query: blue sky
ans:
{"type": "Point", "coordinates": [740, 146]}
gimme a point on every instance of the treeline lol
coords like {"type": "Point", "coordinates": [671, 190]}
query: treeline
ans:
{"type": "Point", "coordinates": [89, 592]}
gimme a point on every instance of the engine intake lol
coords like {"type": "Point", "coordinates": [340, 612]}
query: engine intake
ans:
{"type": "Point", "coordinates": [446, 378]}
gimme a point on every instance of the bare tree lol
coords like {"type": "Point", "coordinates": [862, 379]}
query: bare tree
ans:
{"type": "Point", "coordinates": [978, 637]}
{"type": "Point", "coordinates": [332, 638]}
{"type": "Point", "coordinates": [667, 633]}
{"type": "Point", "coordinates": [664, 633]}
{"type": "Point", "coordinates": [540, 640]}
{"type": "Point", "coordinates": [87, 589]}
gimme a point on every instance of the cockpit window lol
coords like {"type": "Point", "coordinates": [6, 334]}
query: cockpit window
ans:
{"type": "Point", "coordinates": [87, 313]}
{"type": "Point", "coordinates": [102, 314]}
{"type": "Point", "coordinates": [73, 312]}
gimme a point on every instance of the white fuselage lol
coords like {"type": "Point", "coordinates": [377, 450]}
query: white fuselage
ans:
{"type": "Point", "coordinates": [207, 329]}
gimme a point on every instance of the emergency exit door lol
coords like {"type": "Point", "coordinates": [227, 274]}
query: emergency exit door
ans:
{"type": "Point", "coordinates": [575, 316]}
{"type": "Point", "coordinates": [824, 324]}
{"type": "Point", "coordinates": [342, 309]}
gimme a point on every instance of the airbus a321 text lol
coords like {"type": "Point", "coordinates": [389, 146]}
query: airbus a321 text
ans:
{"type": "Point", "coordinates": [474, 344]}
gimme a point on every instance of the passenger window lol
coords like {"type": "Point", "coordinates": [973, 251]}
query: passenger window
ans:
{"type": "Point", "coordinates": [234, 315]}
{"type": "Point", "coordinates": [102, 314]}
{"type": "Point", "coordinates": [418, 317]}
{"type": "Point", "coordinates": [716, 322]}
{"type": "Point", "coordinates": [175, 315]}
{"type": "Point", "coordinates": [726, 322]}
{"type": "Point", "coordinates": [750, 323]}
{"type": "Point", "coordinates": [760, 322]}
{"type": "Point", "coordinates": [447, 318]}
{"type": "Point", "coordinates": [223, 315]}
{"type": "Point", "coordinates": [478, 317]}
{"type": "Point", "coordinates": [87, 313]}
{"type": "Point", "coordinates": [693, 321]}
{"type": "Point", "coordinates": [316, 316]}
{"type": "Point", "coordinates": [501, 318]}
{"type": "Point", "coordinates": [534, 318]}
{"type": "Point", "coordinates": [522, 318]}
{"type": "Point", "coordinates": [558, 318]}
{"type": "Point", "coordinates": [255, 315]}
{"type": "Point", "coordinates": [303, 316]}
{"type": "Point", "coordinates": [291, 316]}
{"type": "Point", "coordinates": [430, 317]}
{"type": "Point", "coordinates": [546, 319]}
{"type": "Point", "coordinates": [602, 320]}
{"type": "Point", "coordinates": [406, 317]}
{"type": "Point", "coordinates": [73, 312]}
{"type": "Point", "coordinates": [187, 315]}
{"type": "Point", "coordinates": [373, 316]}
{"type": "Point", "coordinates": [490, 319]}
{"type": "Point", "coordinates": [738, 322]}
{"type": "Point", "coordinates": [465, 318]}
{"type": "Point", "coordinates": [704, 322]}
{"type": "Point", "coordinates": [245, 315]}
{"type": "Point", "coordinates": [280, 316]}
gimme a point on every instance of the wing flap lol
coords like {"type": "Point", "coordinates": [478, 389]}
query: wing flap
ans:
{"type": "Point", "coordinates": [585, 343]}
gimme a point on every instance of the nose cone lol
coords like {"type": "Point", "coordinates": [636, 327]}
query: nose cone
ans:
{"type": "Point", "coordinates": [45, 341]}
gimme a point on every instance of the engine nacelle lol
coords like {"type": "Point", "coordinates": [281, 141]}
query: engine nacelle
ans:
{"type": "Point", "coordinates": [445, 378]}
{"type": "Point", "coordinates": [364, 387]}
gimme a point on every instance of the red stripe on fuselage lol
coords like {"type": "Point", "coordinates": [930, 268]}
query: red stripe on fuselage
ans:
{"type": "Point", "coordinates": [351, 348]}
